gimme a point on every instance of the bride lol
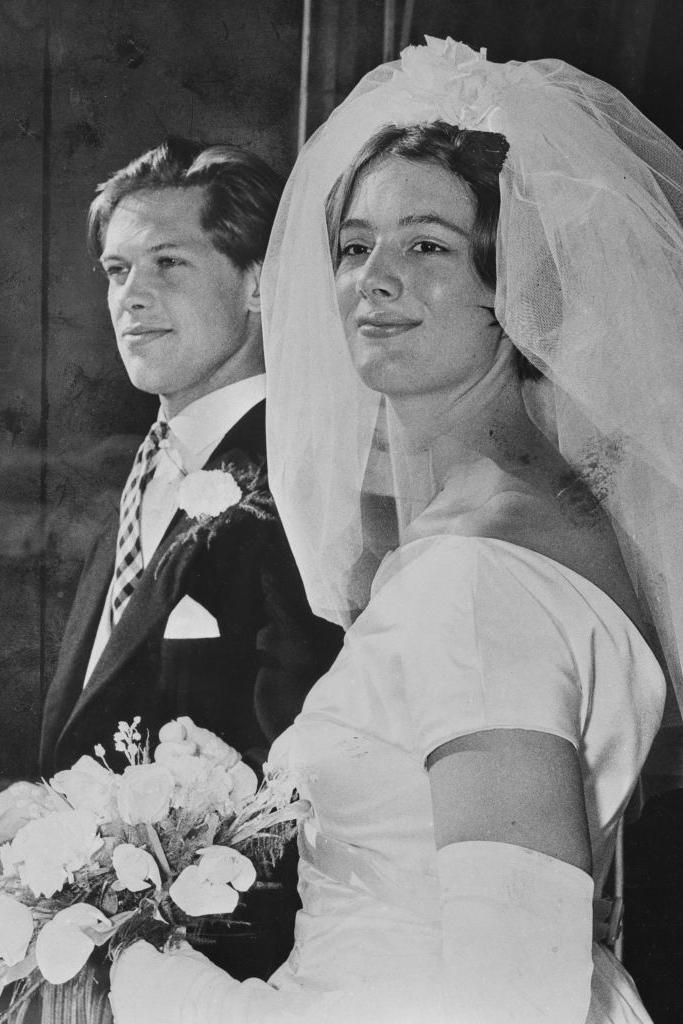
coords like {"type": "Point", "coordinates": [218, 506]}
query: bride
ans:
{"type": "Point", "coordinates": [473, 303]}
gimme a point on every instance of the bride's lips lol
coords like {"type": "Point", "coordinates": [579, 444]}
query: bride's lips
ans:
{"type": "Point", "coordinates": [385, 324]}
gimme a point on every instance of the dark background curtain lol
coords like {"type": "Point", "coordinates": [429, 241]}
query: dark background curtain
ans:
{"type": "Point", "coordinates": [85, 85]}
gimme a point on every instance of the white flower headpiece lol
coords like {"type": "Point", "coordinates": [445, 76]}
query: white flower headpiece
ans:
{"type": "Point", "coordinates": [445, 80]}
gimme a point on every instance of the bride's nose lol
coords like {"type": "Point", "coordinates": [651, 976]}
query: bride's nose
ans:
{"type": "Point", "coordinates": [380, 275]}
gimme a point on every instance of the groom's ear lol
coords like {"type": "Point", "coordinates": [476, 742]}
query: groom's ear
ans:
{"type": "Point", "coordinates": [253, 285]}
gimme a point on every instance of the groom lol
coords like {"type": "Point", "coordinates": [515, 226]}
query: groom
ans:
{"type": "Point", "coordinates": [168, 621]}
{"type": "Point", "coordinates": [176, 615]}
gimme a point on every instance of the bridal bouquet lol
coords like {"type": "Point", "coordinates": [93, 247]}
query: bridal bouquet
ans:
{"type": "Point", "coordinates": [112, 858]}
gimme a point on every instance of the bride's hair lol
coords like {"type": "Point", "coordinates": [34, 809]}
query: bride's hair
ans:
{"type": "Point", "coordinates": [474, 157]}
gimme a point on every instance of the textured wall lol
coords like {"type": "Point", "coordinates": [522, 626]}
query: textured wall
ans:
{"type": "Point", "coordinates": [21, 117]}
{"type": "Point", "coordinates": [85, 86]}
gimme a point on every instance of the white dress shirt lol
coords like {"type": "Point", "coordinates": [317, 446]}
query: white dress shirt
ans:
{"type": "Point", "coordinates": [194, 434]}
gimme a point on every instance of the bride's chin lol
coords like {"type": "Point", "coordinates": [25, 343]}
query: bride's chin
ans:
{"type": "Point", "coordinates": [383, 374]}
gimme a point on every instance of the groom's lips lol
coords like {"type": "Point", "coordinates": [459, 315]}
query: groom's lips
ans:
{"type": "Point", "coordinates": [139, 333]}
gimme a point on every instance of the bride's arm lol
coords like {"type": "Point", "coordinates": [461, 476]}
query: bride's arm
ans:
{"type": "Point", "coordinates": [514, 864]}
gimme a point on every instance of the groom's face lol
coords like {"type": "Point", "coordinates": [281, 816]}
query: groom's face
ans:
{"type": "Point", "coordinates": [185, 315]}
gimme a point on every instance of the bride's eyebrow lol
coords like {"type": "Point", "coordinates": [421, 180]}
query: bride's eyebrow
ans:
{"type": "Point", "coordinates": [433, 218]}
{"type": "Point", "coordinates": [358, 224]}
{"type": "Point", "coordinates": [354, 224]}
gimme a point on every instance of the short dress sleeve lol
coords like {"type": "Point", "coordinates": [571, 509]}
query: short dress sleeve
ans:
{"type": "Point", "coordinates": [487, 638]}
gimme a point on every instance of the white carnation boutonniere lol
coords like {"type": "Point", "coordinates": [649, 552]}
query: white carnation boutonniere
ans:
{"type": "Point", "coordinates": [208, 493]}
{"type": "Point", "coordinates": [211, 498]}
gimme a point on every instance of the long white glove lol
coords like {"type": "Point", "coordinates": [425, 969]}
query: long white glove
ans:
{"type": "Point", "coordinates": [154, 988]}
{"type": "Point", "coordinates": [517, 936]}
{"type": "Point", "coordinates": [184, 987]}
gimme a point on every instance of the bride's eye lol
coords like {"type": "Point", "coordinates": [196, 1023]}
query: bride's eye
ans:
{"type": "Point", "coordinates": [425, 245]}
{"type": "Point", "coordinates": [353, 249]}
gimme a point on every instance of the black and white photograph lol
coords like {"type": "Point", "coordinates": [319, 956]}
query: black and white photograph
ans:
{"type": "Point", "coordinates": [341, 512]}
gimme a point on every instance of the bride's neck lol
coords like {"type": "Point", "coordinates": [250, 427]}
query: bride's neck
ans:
{"type": "Point", "coordinates": [487, 421]}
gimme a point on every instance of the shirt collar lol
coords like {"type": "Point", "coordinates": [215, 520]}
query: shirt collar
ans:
{"type": "Point", "coordinates": [203, 423]}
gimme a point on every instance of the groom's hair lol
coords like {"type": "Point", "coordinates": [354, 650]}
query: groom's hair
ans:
{"type": "Point", "coordinates": [241, 193]}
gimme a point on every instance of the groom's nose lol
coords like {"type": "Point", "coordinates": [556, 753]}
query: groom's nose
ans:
{"type": "Point", "coordinates": [137, 292]}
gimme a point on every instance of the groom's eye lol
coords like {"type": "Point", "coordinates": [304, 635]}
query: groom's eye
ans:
{"type": "Point", "coordinates": [114, 271]}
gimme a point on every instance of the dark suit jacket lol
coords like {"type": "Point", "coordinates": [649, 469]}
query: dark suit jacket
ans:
{"type": "Point", "coordinates": [246, 685]}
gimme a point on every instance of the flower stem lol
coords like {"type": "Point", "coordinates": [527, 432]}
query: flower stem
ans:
{"type": "Point", "coordinates": [27, 992]}
{"type": "Point", "coordinates": [158, 850]}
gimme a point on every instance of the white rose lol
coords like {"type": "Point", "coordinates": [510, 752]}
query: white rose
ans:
{"type": "Point", "coordinates": [46, 852]}
{"type": "Point", "coordinates": [202, 786]}
{"type": "Point", "coordinates": [63, 946]}
{"type": "Point", "coordinates": [244, 782]}
{"type": "Point", "coordinates": [23, 801]}
{"type": "Point", "coordinates": [181, 737]}
{"type": "Point", "coordinates": [44, 876]}
{"type": "Point", "coordinates": [208, 492]}
{"type": "Point", "coordinates": [144, 793]}
{"type": "Point", "coordinates": [135, 869]}
{"type": "Point", "coordinates": [88, 786]}
{"type": "Point", "coordinates": [16, 929]}
{"type": "Point", "coordinates": [188, 769]}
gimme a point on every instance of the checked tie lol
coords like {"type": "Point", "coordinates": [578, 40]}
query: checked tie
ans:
{"type": "Point", "coordinates": [129, 565]}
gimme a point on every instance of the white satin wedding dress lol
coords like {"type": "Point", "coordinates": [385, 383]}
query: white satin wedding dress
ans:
{"type": "Point", "coordinates": [461, 635]}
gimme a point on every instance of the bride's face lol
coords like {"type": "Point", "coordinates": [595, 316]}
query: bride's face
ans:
{"type": "Point", "coordinates": [417, 318]}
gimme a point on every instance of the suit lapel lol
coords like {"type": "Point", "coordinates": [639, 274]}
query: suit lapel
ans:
{"type": "Point", "coordinates": [91, 596]}
{"type": "Point", "coordinates": [79, 637]}
{"type": "Point", "coordinates": [162, 583]}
